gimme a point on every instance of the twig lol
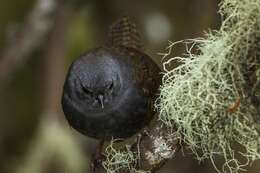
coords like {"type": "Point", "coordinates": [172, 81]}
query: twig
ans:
{"type": "Point", "coordinates": [38, 24]}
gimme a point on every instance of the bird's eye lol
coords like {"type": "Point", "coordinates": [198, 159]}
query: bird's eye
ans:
{"type": "Point", "coordinates": [87, 90]}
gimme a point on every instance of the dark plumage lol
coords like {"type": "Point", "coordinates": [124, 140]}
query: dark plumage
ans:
{"type": "Point", "coordinates": [109, 91]}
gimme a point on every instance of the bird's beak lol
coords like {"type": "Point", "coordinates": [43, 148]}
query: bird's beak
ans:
{"type": "Point", "coordinates": [101, 100]}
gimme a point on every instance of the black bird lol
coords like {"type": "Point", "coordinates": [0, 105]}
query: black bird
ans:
{"type": "Point", "coordinates": [109, 91]}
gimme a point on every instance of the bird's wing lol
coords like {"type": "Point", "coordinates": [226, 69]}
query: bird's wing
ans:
{"type": "Point", "coordinates": [148, 74]}
{"type": "Point", "coordinates": [124, 33]}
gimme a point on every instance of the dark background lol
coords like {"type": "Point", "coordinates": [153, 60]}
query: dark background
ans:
{"type": "Point", "coordinates": [38, 41]}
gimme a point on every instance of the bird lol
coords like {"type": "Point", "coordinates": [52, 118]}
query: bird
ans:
{"type": "Point", "coordinates": [110, 90]}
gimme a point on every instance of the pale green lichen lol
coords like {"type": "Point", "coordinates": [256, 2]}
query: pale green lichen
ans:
{"type": "Point", "coordinates": [117, 160]}
{"type": "Point", "coordinates": [121, 160]}
{"type": "Point", "coordinates": [204, 97]}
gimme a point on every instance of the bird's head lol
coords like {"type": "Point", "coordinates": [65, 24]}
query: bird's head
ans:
{"type": "Point", "coordinates": [93, 81]}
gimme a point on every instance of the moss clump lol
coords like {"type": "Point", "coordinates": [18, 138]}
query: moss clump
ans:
{"type": "Point", "coordinates": [205, 97]}
{"type": "Point", "coordinates": [121, 160]}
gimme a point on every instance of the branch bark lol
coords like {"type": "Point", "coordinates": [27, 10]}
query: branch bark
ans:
{"type": "Point", "coordinates": [157, 145]}
{"type": "Point", "coordinates": [37, 26]}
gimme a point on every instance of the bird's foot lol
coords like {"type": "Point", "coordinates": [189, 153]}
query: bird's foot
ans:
{"type": "Point", "coordinates": [139, 144]}
{"type": "Point", "coordinates": [95, 163]}
{"type": "Point", "coordinates": [97, 158]}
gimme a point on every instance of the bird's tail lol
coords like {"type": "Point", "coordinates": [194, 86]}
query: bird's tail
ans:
{"type": "Point", "coordinates": [124, 33]}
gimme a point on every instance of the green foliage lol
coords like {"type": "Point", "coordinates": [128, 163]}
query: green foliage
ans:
{"type": "Point", "coordinates": [54, 144]}
{"type": "Point", "coordinates": [204, 96]}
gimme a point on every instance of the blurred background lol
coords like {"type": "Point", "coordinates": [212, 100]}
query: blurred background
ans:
{"type": "Point", "coordinates": [38, 41]}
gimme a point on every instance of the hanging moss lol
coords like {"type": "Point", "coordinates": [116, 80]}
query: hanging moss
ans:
{"type": "Point", "coordinates": [205, 96]}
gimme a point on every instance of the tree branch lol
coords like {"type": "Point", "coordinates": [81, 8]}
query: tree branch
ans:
{"type": "Point", "coordinates": [148, 153]}
{"type": "Point", "coordinates": [37, 26]}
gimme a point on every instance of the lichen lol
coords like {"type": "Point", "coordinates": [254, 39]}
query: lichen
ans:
{"type": "Point", "coordinates": [162, 151]}
{"type": "Point", "coordinates": [121, 160]}
{"type": "Point", "coordinates": [204, 97]}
